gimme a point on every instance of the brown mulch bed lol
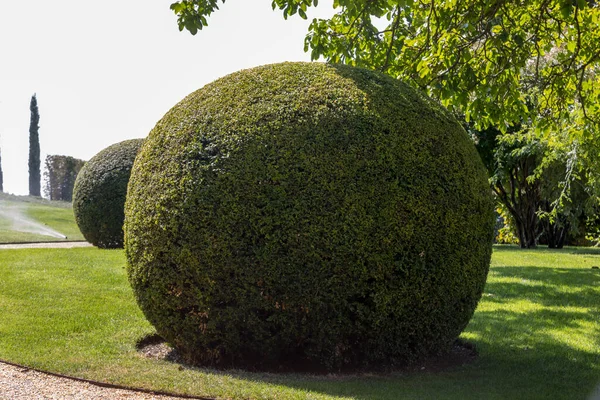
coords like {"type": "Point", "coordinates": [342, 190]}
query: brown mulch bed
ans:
{"type": "Point", "coordinates": [462, 353]}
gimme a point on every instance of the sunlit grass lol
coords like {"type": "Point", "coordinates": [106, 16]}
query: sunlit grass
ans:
{"type": "Point", "coordinates": [56, 216]}
{"type": "Point", "coordinates": [537, 329]}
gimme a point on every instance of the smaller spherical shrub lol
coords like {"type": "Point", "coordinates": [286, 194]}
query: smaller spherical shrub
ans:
{"type": "Point", "coordinates": [100, 191]}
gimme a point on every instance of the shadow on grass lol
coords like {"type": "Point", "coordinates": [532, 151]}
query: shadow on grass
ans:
{"type": "Point", "coordinates": [536, 354]}
{"type": "Point", "coordinates": [558, 287]}
{"type": "Point", "coordinates": [544, 249]}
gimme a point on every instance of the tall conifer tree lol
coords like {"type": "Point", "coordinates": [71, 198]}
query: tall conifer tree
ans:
{"type": "Point", "coordinates": [34, 149]}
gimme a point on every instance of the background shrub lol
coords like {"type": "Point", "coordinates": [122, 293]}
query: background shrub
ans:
{"type": "Point", "coordinates": [305, 212]}
{"type": "Point", "coordinates": [60, 174]}
{"type": "Point", "coordinates": [99, 194]}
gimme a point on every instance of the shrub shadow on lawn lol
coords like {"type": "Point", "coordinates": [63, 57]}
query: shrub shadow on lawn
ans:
{"type": "Point", "coordinates": [544, 249]}
{"type": "Point", "coordinates": [523, 353]}
{"type": "Point", "coordinates": [558, 287]}
{"type": "Point", "coordinates": [532, 352]}
{"type": "Point", "coordinates": [539, 325]}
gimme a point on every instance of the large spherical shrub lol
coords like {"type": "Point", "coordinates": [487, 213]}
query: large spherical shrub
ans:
{"type": "Point", "coordinates": [99, 194]}
{"type": "Point", "coordinates": [304, 212]}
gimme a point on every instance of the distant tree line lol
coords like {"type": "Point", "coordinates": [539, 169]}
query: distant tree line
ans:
{"type": "Point", "coordinates": [529, 178]}
{"type": "Point", "coordinates": [59, 176]}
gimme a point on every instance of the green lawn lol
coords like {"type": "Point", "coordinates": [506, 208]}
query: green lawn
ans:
{"type": "Point", "coordinates": [537, 330]}
{"type": "Point", "coordinates": [30, 219]}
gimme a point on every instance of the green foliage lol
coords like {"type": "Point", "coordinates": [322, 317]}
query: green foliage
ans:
{"type": "Point", "coordinates": [566, 201]}
{"type": "Point", "coordinates": [478, 57]}
{"type": "Point", "coordinates": [517, 157]}
{"type": "Point", "coordinates": [34, 149]}
{"type": "Point", "coordinates": [60, 175]}
{"type": "Point", "coordinates": [505, 225]}
{"type": "Point", "coordinates": [99, 194]}
{"type": "Point", "coordinates": [542, 192]}
{"type": "Point", "coordinates": [499, 63]}
{"type": "Point", "coordinates": [304, 212]}
{"type": "Point", "coordinates": [192, 14]}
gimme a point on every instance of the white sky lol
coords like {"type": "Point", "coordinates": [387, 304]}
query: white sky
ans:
{"type": "Point", "coordinates": [108, 71]}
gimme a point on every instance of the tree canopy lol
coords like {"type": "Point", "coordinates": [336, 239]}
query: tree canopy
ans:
{"type": "Point", "coordinates": [497, 62]}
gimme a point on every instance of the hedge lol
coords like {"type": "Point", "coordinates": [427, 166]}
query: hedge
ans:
{"type": "Point", "coordinates": [99, 194]}
{"type": "Point", "coordinates": [308, 214]}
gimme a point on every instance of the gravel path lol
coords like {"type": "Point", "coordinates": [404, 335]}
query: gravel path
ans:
{"type": "Point", "coordinates": [23, 384]}
{"type": "Point", "coordinates": [45, 245]}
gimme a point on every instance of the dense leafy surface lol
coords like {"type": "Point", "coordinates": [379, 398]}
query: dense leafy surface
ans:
{"type": "Point", "coordinates": [308, 212]}
{"type": "Point", "coordinates": [536, 324]}
{"type": "Point", "coordinates": [99, 194]}
{"type": "Point", "coordinates": [498, 62]}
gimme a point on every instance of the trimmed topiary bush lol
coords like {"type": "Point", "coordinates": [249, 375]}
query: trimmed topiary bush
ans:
{"type": "Point", "coordinates": [99, 194]}
{"type": "Point", "coordinates": [308, 213]}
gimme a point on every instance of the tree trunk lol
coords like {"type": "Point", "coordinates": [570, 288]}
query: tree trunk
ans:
{"type": "Point", "coordinates": [527, 233]}
{"type": "Point", "coordinates": [522, 199]}
{"type": "Point", "coordinates": [555, 232]}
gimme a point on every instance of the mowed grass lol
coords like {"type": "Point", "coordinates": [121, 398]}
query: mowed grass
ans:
{"type": "Point", "coordinates": [30, 219]}
{"type": "Point", "coordinates": [537, 330]}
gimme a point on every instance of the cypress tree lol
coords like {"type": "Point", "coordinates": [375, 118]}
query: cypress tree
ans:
{"type": "Point", "coordinates": [34, 149]}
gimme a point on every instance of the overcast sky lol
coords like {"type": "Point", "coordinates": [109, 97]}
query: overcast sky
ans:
{"type": "Point", "coordinates": [108, 71]}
